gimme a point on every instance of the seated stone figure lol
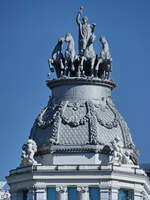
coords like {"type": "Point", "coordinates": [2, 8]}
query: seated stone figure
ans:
{"type": "Point", "coordinates": [28, 151]}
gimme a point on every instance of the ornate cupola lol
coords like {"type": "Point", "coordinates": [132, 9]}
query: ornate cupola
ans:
{"type": "Point", "coordinates": [79, 147]}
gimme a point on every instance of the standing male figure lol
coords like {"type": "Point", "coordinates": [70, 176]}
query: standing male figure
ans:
{"type": "Point", "coordinates": [85, 31]}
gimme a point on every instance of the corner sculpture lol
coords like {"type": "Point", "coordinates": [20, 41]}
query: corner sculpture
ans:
{"type": "Point", "coordinates": [119, 156]}
{"type": "Point", "coordinates": [87, 63]}
{"type": "Point", "coordinates": [28, 151]}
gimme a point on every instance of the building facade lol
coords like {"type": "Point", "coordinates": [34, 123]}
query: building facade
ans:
{"type": "Point", "coordinates": [80, 147]}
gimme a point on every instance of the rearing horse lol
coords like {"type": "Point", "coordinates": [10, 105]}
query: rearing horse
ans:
{"type": "Point", "coordinates": [104, 65]}
{"type": "Point", "coordinates": [70, 54]}
{"type": "Point", "coordinates": [57, 58]}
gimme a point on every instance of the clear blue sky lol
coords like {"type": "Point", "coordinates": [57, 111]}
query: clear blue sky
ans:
{"type": "Point", "coordinates": [29, 30]}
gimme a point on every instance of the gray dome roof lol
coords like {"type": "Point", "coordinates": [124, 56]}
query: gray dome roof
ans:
{"type": "Point", "coordinates": [80, 116]}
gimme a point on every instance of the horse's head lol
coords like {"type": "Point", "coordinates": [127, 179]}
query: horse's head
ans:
{"type": "Point", "coordinates": [103, 40]}
{"type": "Point", "coordinates": [61, 40]}
{"type": "Point", "coordinates": [68, 37]}
{"type": "Point", "coordinates": [91, 39]}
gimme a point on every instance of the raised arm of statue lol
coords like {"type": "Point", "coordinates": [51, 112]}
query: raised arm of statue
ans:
{"type": "Point", "coordinates": [78, 16]}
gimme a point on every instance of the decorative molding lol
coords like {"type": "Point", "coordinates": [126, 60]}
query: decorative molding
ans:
{"type": "Point", "coordinates": [105, 184]}
{"type": "Point", "coordinates": [55, 111]}
{"type": "Point", "coordinates": [80, 81]}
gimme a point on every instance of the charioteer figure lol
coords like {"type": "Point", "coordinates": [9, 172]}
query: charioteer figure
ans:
{"type": "Point", "coordinates": [85, 31]}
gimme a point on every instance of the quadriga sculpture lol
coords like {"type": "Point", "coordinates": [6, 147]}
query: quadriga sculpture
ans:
{"type": "Point", "coordinates": [86, 63]}
{"type": "Point", "coordinates": [70, 54]}
{"type": "Point", "coordinates": [57, 58]}
{"type": "Point", "coordinates": [104, 65]}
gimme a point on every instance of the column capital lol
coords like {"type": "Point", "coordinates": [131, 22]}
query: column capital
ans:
{"type": "Point", "coordinates": [105, 184]}
{"type": "Point", "coordinates": [61, 188]}
{"type": "Point", "coordinates": [39, 187]}
{"type": "Point", "coordinates": [82, 188]}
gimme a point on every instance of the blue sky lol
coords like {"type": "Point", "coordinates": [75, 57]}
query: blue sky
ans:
{"type": "Point", "coordinates": [29, 30]}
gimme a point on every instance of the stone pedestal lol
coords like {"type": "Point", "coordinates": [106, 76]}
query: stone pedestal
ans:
{"type": "Point", "coordinates": [61, 193]}
{"type": "Point", "coordinates": [83, 192]}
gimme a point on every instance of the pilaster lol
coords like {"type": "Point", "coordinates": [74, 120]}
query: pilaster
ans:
{"type": "Point", "coordinates": [40, 194]}
{"type": "Point", "coordinates": [62, 193]}
{"type": "Point", "coordinates": [13, 195]}
{"type": "Point", "coordinates": [138, 195]}
{"type": "Point", "coordinates": [104, 193]}
{"type": "Point", "coordinates": [31, 194]}
{"type": "Point", "coordinates": [114, 193]}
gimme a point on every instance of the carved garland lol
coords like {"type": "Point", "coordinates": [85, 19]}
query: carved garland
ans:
{"type": "Point", "coordinates": [111, 124]}
{"type": "Point", "coordinates": [92, 123]}
{"type": "Point", "coordinates": [54, 137]}
{"type": "Point", "coordinates": [74, 121]}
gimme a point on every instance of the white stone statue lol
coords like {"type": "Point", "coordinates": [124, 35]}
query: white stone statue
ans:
{"type": "Point", "coordinates": [104, 61]}
{"type": "Point", "coordinates": [57, 58]}
{"type": "Point", "coordinates": [119, 156]}
{"type": "Point", "coordinates": [85, 31]}
{"type": "Point", "coordinates": [28, 151]}
{"type": "Point", "coordinates": [70, 54]}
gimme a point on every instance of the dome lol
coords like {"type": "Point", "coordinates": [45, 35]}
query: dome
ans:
{"type": "Point", "coordinates": [80, 117]}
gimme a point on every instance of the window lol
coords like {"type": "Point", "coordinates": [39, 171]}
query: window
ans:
{"type": "Point", "coordinates": [25, 195]}
{"type": "Point", "coordinates": [125, 194]}
{"type": "Point", "coordinates": [72, 193]}
{"type": "Point", "coordinates": [51, 194]}
{"type": "Point", "coordinates": [94, 193]}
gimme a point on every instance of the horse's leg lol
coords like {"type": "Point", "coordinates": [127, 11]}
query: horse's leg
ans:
{"type": "Point", "coordinates": [80, 67]}
{"type": "Point", "coordinates": [61, 68]}
{"type": "Point", "coordinates": [97, 67]}
{"type": "Point", "coordinates": [109, 70]}
{"type": "Point", "coordinates": [72, 65]}
{"type": "Point", "coordinates": [81, 63]}
{"type": "Point", "coordinates": [65, 68]}
{"type": "Point", "coordinates": [108, 76]}
{"type": "Point", "coordinates": [92, 66]}
{"type": "Point", "coordinates": [51, 62]}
